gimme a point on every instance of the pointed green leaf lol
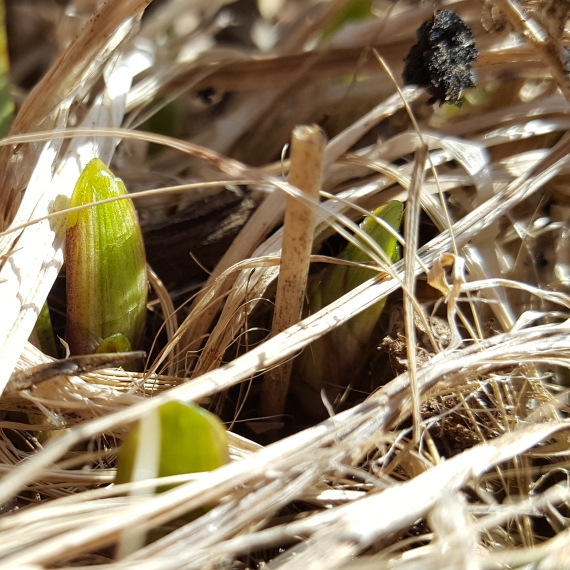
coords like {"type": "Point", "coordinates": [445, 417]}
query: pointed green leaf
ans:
{"type": "Point", "coordinates": [332, 360]}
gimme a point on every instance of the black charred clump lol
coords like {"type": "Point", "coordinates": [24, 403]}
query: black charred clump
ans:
{"type": "Point", "coordinates": [441, 60]}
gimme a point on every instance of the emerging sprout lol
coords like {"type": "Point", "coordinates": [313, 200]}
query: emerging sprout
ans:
{"type": "Point", "coordinates": [105, 265]}
{"type": "Point", "coordinates": [332, 361]}
{"type": "Point", "coordinates": [185, 438]}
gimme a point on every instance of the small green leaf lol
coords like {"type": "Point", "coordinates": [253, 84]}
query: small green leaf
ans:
{"type": "Point", "coordinates": [352, 11]}
{"type": "Point", "coordinates": [115, 343]}
{"type": "Point", "coordinates": [105, 264]}
{"type": "Point", "coordinates": [191, 440]}
{"type": "Point", "coordinates": [332, 361]}
{"type": "Point", "coordinates": [340, 279]}
{"type": "Point", "coordinates": [44, 330]}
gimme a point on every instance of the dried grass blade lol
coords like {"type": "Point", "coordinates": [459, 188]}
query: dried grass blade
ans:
{"type": "Point", "coordinates": [378, 413]}
{"type": "Point", "coordinates": [411, 232]}
{"type": "Point", "coordinates": [377, 515]}
{"type": "Point", "coordinates": [48, 104]}
{"type": "Point", "coordinates": [548, 49]}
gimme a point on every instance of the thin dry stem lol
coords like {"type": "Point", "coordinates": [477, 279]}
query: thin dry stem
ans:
{"type": "Point", "coordinates": [411, 228]}
{"type": "Point", "coordinates": [307, 152]}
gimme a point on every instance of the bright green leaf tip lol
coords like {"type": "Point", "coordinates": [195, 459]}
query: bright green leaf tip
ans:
{"type": "Point", "coordinates": [391, 213]}
{"type": "Point", "coordinates": [95, 183]}
{"type": "Point", "coordinates": [192, 440]}
{"type": "Point", "coordinates": [340, 279]}
{"type": "Point", "coordinates": [115, 343]}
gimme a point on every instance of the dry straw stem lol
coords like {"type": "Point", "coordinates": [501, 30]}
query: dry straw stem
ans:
{"type": "Point", "coordinates": [307, 152]}
{"type": "Point", "coordinates": [549, 49]}
{"type": "Point", "coordinates": [346, 433]}
{"type": "Point", "coordinates": [169, 312]}
{"type": "Point", "coordinates": [411, 230]}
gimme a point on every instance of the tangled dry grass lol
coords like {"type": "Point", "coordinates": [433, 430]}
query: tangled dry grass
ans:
{"type": "Point", "coordinates": [456, 460]}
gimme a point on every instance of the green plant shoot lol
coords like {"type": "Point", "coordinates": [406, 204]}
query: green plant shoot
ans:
{"type": "Point", "coordinates": [187, 438]}
{"type": "Point", "coordinates": [332, 361]}
{"type": "Point", "coordinates": [105, 267]}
